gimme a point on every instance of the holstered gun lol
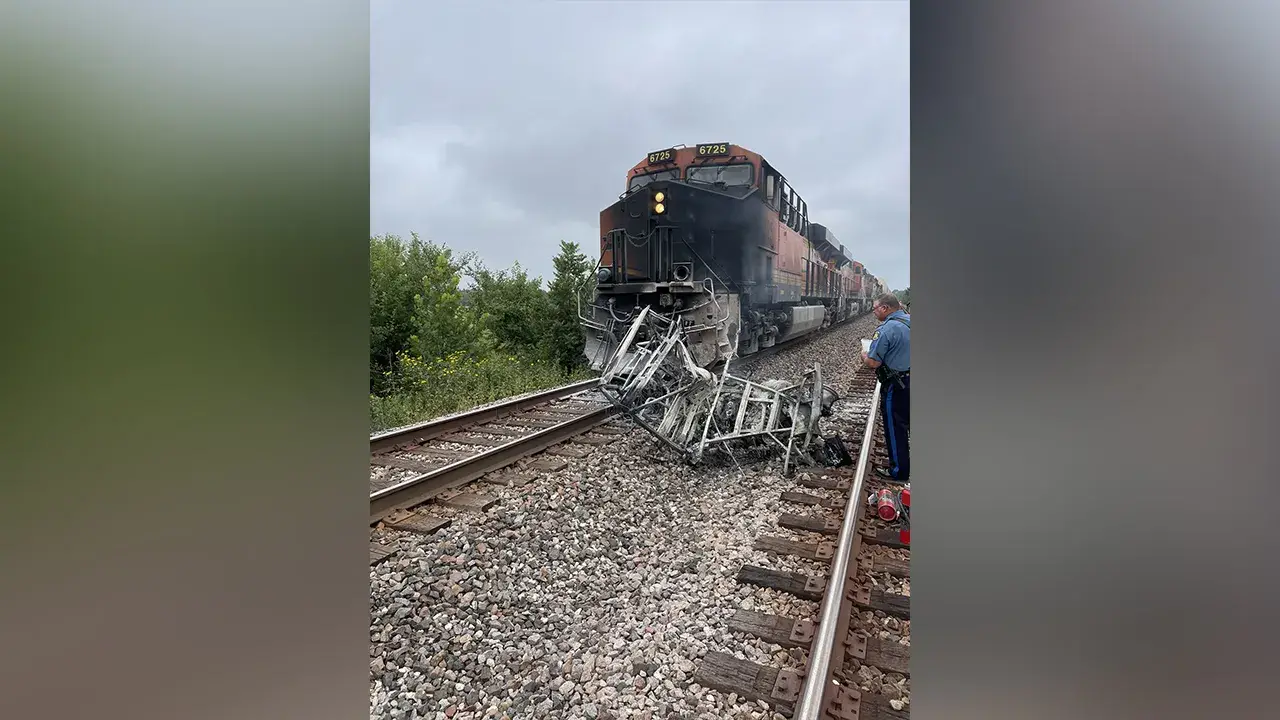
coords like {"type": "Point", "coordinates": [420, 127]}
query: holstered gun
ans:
{"type": "Point", "coordinates": [888, 377]}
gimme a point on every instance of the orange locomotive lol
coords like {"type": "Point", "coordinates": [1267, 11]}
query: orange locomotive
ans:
{"type": "Point", "coordinates": [714, 234]}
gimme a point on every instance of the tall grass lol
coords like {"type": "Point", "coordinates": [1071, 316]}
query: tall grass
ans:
{"type": "Point", "coordinates": [422, 391]}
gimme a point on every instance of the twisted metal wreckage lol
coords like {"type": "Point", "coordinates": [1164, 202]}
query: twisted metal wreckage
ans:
{"type": "Point", "coordinates": [653, 378]}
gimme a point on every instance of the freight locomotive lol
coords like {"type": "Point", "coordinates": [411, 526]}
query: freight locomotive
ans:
{"type": "Point", "coordinates": [715, 235]}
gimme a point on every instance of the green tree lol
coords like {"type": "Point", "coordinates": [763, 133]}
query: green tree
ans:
{"type": "Point", "coordinates": [397, 273]}
{"type": "Point", "coordinates": [563, 338]}
{"type": "Point", "coordinates": [440, 324]}
{"type": "Point", "coordinates": [904, 296]}
{"type": "Point", "coordinates": [388, 312]}
{"type": "Point", "coordinates": [435, 348]}
{"type": "Point", "coordinates": [512, 307]}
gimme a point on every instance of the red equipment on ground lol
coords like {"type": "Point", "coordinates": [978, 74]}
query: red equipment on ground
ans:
{"type": "Point", "coordinates": [904, 533]}
{"type": "Point", "coordinates": [886, 505]}
{"type": "Point", "coordinates": [891, 506]}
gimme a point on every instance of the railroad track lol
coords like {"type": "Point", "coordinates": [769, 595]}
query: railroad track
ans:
{"type": "Point", "coordinates": [602, 573]}
{"type": "Point", "coordinates": [747, 363]}
{"type": "Point", "coordinates": [856, 648]}
{"type": "Point", "coordinates": [411, 465]}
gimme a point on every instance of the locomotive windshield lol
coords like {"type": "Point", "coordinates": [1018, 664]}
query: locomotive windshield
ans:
{"type": "Point", "coordinates": [640, 181]}
{"type": "Point", "coordinates": [738, 174]}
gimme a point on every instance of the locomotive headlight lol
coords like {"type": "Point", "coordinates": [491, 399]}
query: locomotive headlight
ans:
{"type": "Point", "coordinates": [603, 274]}
{"type": "Point", "coordinates": [659, 196]}
{"type": "Point", "coordinates": [659, 208]}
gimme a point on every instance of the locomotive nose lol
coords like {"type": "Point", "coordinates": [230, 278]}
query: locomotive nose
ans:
{"type": "Point", "coordinates": [637, 204]}
{"type": "Point", "coordinates": [641, 207]}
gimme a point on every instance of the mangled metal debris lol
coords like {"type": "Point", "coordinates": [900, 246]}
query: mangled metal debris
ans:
{"type": "Point", "coordinates": [653, 378]}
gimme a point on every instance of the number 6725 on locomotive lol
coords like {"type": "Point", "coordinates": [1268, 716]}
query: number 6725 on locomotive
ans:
{"type": "Point", "coordinates": [715, 235]}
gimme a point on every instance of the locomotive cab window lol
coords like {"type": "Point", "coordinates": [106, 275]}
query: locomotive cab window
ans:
{"type": "Point", "coordinates": [640, 181]}
{"type": "Point", "coordinates": [799, 215]}
{"type": "Point", "coordinates": [728, 175]}
{"type": "Point", "coordinates": [790, 209]}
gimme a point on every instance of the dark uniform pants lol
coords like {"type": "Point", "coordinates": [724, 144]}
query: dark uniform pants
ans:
{"type": "Point", "coordinates": [896, 414]}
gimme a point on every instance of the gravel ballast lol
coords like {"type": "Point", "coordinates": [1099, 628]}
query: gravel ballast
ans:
{"type": "Point", "coordinates": [592, 592]}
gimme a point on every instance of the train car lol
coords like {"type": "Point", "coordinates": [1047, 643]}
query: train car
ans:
{"type": "Point", "coordinates": [878, 287]}
{"type": "Point", "coordinates": [716, 235]}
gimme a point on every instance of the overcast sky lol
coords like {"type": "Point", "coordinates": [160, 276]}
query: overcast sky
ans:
{"type": "Point", "coordinates": [503, 128]}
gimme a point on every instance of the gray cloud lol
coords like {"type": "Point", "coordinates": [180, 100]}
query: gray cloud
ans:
{"type": "Point", "coordinates": [504, 128]}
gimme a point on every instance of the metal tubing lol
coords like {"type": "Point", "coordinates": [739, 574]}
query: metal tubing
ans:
{"type": "Point", "coordinates": [809, 706]}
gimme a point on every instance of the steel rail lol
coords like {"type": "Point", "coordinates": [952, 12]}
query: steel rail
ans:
{"type": "Point", "coordinates": [452, 423]}
{"type": "Point", "coordinates": [818, 674]}
{"type": "Point", "coordinates": [414, 489]}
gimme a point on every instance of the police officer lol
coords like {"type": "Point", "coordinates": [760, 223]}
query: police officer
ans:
{"type": "Point", "coordinates": [890, 355]}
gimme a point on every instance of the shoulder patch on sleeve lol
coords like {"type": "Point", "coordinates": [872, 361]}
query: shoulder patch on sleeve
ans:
{"type": "Point", "coordinates": [876, 336]}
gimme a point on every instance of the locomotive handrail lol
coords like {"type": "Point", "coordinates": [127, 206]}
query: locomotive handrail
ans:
{"type": "Point", "coordinates": [648, 250]}
{"type": "Point", "coordinates": [577, 293]}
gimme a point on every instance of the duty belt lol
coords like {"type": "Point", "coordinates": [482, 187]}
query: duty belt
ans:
{"type": "Point", "coordinates": [886, 376]}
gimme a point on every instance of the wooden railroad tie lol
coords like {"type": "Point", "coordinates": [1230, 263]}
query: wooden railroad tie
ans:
{"type": "Point", "coordinates": [405, 446]}
{"type": "Point", "coordinates": [790, 632]}
{"type": "Point", "coordinates": [470, 500]}
{"type": "Point", "coordinates": [846, 703]}
{"type": "Point", "coordinates": [777, 629]}
{"type": "Point", "coordinates": [547, 463]}
{"type": "Point", "coordinates": [591, 438]}
{"type": "Point", "coordinates": [887, 537]}
{"type": "Point", "coordinates": [401, 463]}
{"type": "Point", "coordinates": [884, 564]}
{"type": "Point", "coordinates": [555, 418]}
{"type": "Point", "coordinates": [420, 522]}
{"type": "Point", "coordinates": [504, 431]}
{"type": "Point", "coordinates": [509, 478]}
{"type": "Point", "coordinates": [781, 689]}
{"type": "Point", "coordinates": [821, 552]}
{"type": "Point", "coordinates": [751, 681]}
{"type": "Point", "coordinates": [896, 604]}
{"type": "Point", "coordinates": [810, 523]}
{"type": "Point", "coordinates": [472, 440]}
{"type": "Point", "coordinates": [609, 429]}
{"type": "Point", "coordinates": [379, 552]}
{"type": "Point", "coordinates": [569, 450]}
{"type": "Point", "coordinates": [829, 483]}
{"type": "Point", "coordinates": [806, 499]}
{"type": "Point", "coordinates": [530, 422]}
{"type": "Point", "coordinates": [808, 587]}
{"type": "Point", "coordinates": [557, 412]}
{"type": "Point", "coordinates": [440, 456]}
{"type": "Point", "coordinates": [888, 655]}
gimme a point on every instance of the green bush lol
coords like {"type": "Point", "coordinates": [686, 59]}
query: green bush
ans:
{"type": "Point", "coordinates": [422, 391]}
{"type": "Point", "coordinates": [435, 349]}
{"type": "Point", "coordinates": [904, 296]}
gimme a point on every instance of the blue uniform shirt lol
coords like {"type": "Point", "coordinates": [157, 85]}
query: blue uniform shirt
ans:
{"type": "Point", "coordinates": [891, 345]}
